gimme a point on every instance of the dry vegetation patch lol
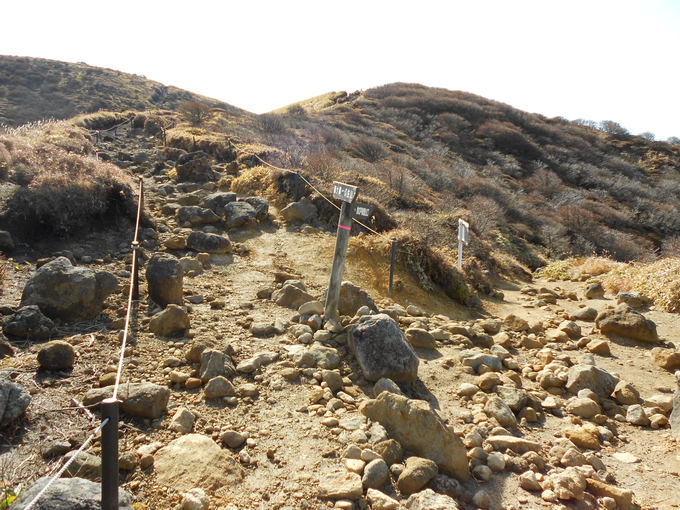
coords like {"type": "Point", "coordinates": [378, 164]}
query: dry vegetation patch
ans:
{"type": "Point", "coordinates": [58, 187]}
{"type": "Point", "coordinates": [658, 280]}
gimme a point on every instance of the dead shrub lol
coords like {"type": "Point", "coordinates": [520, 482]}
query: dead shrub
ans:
{"type": "Point", "coordinates": [369, 149]}
{"type": "Point", "coordinates": [271, 123]}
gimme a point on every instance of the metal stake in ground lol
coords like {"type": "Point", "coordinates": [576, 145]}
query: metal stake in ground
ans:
{"type": "Point", "coordinates": [347, 194]}
{"type": "Point", "coordinates": [110, 455]}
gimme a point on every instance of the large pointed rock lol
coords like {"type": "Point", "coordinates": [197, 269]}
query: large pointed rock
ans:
{"type": "Point", "coordinates": [381, 349]}
{"type": "Point", "coordinates": [418, 429]}
{"type": "Point", "coordinates": [195, 460]}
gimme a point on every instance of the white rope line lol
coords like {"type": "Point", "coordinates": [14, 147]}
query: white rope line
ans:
{"type": "Point", "coordinates": [65, 466]}
{"type": "Point", "coordinates": [128, 121]}
{"type": "Point", "coordinates": [297, 172]}
{"type": "Point", "coordinates": [135, 257]}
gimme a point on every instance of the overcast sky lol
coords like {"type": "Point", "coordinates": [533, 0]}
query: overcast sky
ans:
{"type": "Point", "coordinates": [596, 59]}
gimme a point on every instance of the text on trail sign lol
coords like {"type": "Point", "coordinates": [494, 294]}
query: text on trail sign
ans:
{"type": "Point", "coordinates": [361, 211]}
{"type": "Point", "coordinates": [463, 231]}
{"type": "Point", "coordinates": [344, 192]}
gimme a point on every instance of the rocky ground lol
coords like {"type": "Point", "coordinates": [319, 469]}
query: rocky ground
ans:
{"type": "Point", "coordinates": [236, 395]}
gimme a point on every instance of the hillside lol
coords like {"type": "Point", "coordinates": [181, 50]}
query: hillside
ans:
{"type": "Point", "coordinates": [33, 89]}
{"type": "Point", "coordinates": [237, 394]}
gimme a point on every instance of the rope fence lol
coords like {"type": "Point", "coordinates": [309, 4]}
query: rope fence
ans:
{"type": "Point", "coordinates": [80, 450]}
{"type": "Point", "coordinates": [109, 406]}
{"type": "Point", "coordinates": [299, 174]}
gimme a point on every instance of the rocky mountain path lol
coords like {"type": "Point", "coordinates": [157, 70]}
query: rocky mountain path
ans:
{"type": "Point", "coordinates": [261, 405]}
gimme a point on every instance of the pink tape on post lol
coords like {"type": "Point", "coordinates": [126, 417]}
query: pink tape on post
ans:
{"type": "Point", "coordinates": [344, 227]}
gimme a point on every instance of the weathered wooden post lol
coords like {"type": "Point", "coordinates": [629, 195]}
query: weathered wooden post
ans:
{"type": "Point", "coordinates": [393, 263]}
{"type": "Point", "coordinates": [347, 194]}
{"type": "Point", "coordinates": [463, 238]}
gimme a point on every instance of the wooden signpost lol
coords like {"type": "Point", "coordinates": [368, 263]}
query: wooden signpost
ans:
{"type": "Point", "coordinates": [347, 194]}
{"type": "Point", "coordinates": [463, 238]}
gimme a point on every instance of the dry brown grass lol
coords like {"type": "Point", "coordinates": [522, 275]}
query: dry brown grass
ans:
{"type": "Point", "coordinates": [596, 266]}
{"type": "Point", "coordinates": [659, 280]}
{"type": "Point", "coordinates": [60, 190]}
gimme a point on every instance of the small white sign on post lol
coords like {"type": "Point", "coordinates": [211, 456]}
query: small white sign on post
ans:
{"type": "Point", "coordinates": [345, 192]}
{"type": "Point", "coordinates": [463, 239]}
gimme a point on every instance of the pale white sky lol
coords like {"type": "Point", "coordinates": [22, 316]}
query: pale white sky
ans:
{"type": "Point", "coordinates": [594, 59]}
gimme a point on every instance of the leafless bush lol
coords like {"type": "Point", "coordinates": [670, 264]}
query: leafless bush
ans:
{"type": "Point", "coordinates": [194, 111]}
{"type": "Point", "coordinates": [371, 150]}
{"type": "Point", "coordinates": [271, 123]}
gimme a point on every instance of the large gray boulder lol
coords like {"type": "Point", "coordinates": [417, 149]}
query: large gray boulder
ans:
{"type": "Point", "coordinates": [29, 322]}
{"type": "Point", "coordinates": [239, 214]}
{"type": "Point", "coordinates": [68, 494]}
{"type": "Point", "coordinates": [627, 323]}
{"type": "Point", "coordinates": [145, 399]}
{"type": "Point", "coordinates": [208, 243]}
{"type": "Point", "coordinates": [68, 292]}
{"type": "Point", "coordinates": [164, 276]}
{"type": "Point", "coordinates": [382, 350]}
{"type": "Point", "coordinates": [581, 377]}
{"type": "Point", "coordinates": [14, 400]}
{"type": "Point", "coordinates": [195, 215]}
{"type": "Point", "coordinates": [217, 201]}
{"type": "Point", "coordinates": [420, 430]}
{"type": "Point", "coordinates": [194, 167]}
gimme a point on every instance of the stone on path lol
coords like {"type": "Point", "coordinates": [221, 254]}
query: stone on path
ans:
{"type": "Point", "coordinates": [418, 429]}
{"type": "Point", "coordinates": [382, 350]}
{"type": "Point", "coordinates": [430, 500]}
{"type": "Point", "coordinates": [173, 319]}
{"type": "Point", "coordinates": [195, 460]}
{"type": "Point", "coordinates": [145, 399]}
{"type": "Point", "coordinates": [208, 243]}
{"type": "Point", "coordinates": [341, 486]}
{"type": "Point", "coordinates": [56, 355]}
{"type": "Point", "coordinates": [30, 323]}
{"type": "Point", "coordinates": [165, 277]}
{"type": "Point", "coordinates": [597, 379]}
{"type": "Point", "coordinates": [416, 475]}
{"type": "Point", "coordinates": [628, 324]}
{"type": "Point", "coordinates": [68, 494]}
{"type": "Point", "coordinates": [14, 400]}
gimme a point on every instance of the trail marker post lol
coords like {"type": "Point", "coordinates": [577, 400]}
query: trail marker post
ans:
{"type": "Point", "coordinates": [463, 238]}
{"type": "Point", "coordinates": [393, 262]}
{"type": "Point", "coordinates": [347, 194]}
